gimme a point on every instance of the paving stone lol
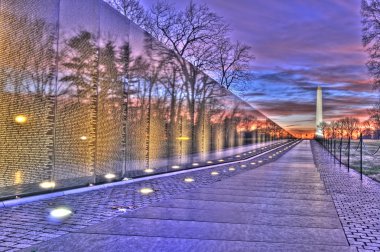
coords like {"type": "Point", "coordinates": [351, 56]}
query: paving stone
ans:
{"type": "Point", "coordinates": [96, 242]}
{"type": "Point", "coordinates": [357, 202]}
{"type": "Point", "coordinates": [97, 206]}
{"type": "Point", "coordinates": [203, 219]}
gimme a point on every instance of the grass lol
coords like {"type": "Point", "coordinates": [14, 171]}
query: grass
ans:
{"type": "Point", "coordinates": [371, 163]}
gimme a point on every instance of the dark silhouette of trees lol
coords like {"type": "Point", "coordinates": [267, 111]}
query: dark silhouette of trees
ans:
{"type": "Point", "coordinates": [232, 63]}
{"type": "Point", "coordinates": [28, 56]}
{"type": "Point", "coordinates": [81, 60]}
{"type": "Point", "coordinates": [370, 10]}
{"type": "Point", "coordinates": [132, 9]}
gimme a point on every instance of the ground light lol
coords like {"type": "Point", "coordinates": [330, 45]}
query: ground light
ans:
{"type": "Point", "coordinates": [21, 119]}
{"type": "Point", "coordinates": [146, 190]}
{"type": "Point", "coordinates": [253, 163]}
{"type": "Point", "coordinates": [149, 170]}
{"type": "Point", "coordinates": [243, 166]}
{"type": "Point", "coordinates": [60, 213]}
{"type": "Point", "coordinates": [110, 176]}
{"type": "Point", "coordinates": [209, 162]}
{"type": "Point", "coordinates": [231, 169]}
{"type": "Point", "coordinates": [214, 173]}
{"type": "Point", "coordinates": [188, 180]}
{"type": "Point", "coordinates": [195, 164]}
{"type": "Point", "coordinates": [176, 167]}
{"type": "Point", "coordinates": [221, 160]}
{"type": "Point", "coordinates": [47, 184]}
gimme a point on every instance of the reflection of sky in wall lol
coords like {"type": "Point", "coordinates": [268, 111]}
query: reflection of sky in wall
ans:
{"type": "Point", "coordinates": [298, 45]}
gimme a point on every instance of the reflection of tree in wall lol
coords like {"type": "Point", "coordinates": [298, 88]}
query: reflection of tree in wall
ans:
{"type": "Point", "coordinates": [27, 74]}
{"type": "Point", "coordinates": [76, 111]}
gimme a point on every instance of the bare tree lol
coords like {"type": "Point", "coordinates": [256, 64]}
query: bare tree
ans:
{"type": "Point", "coordinates": [192, 33]}
{"type": "Point", "coordinates": [132, 9]}
{"type": "Point", "coordinates": [233, 63]}
{"type": "Point", "coordinates": [333, 129]}
{"type": "Point", "coordinates": [323, 126]}
{"type": "Point", "coordinates": [366, 128]}
{"type": "Point", "coordinates": [350, 125]}
{"type": "Point", "coordinates": [374, 114]}
{"type": "Point", "coordinates": [370, 10]}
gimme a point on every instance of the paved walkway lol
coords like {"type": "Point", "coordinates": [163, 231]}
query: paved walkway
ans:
{"type": "Point", "coordinates": [357, 201]}
{"type": "Point", "coordinates": [280, 206]}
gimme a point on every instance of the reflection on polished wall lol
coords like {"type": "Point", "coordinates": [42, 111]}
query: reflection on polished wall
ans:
{"type": "Point", "coordinates": [87, 97]}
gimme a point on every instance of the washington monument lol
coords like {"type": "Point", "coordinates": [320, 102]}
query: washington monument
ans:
{"type": "Point", "coordinates": [319, 113]}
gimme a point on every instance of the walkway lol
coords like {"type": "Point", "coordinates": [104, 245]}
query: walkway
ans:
{"type": "Point", "coordinates": [280, 206]}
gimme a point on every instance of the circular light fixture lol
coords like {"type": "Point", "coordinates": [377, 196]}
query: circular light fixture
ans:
{"type": "Point", "coordinates": [221, 160]}
{"type": "Point", "coordinates": [188, 180]}
{"type": "Point", "coordinates": [21, 119]}
{"type": "Point", "coordinates": [237, 156]}
{"type": "Point", "coordinates": [231, 169]}
{"type": "Point", "coordinates": [195, 164]}
{"type": "Point", "coordinates": [260, 161]}
{"type": "Point", "coordinates": [243, 166]}
{"type": "Point", "coordinates": [253, 163]}
{"type": "Point", "coordinates": [149, 170]}
{"type": "Point", "coordinates": [83, 138]}
{"type": "Point", "coordinates": [214, 173]}
{"type": "Point", "coordinates": [209, 162]}
{"type": "Point", "coordinates": [110, 176]}
{"type": "Point", "coordinates": [47, 184]}
{"type": "Point", "coordinates": [176, 167]}
{"type": "Point", "coordinates": [146, 190]}
{"type": "Point", "coordinates": [60, 212]}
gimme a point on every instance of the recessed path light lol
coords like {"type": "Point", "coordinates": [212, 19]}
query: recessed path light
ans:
{"type": "Point", "coordinates": [146, 190]}
{"type": "Point", "coordinates": [60, 213]}
{"type": "Point", "coordinates": [149, 170]}
{"type": "Point", "coordinates": [214, 173]}
{"type": "Point", "coordinates": [176, 167]}
{"type": "Point", "coordinates": [110, 176]}
{"type": "Point", "coordinates": [47, 184]}
{"type": "Point", "coordinates": [188, 180]}
{"type": "Point", "coordinates": [195, 164]}
{"type": "Point", "coordinates": [231, 169]}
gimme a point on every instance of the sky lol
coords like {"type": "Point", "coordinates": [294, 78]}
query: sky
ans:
{"type": "Point", "coordinates": [298, 45]}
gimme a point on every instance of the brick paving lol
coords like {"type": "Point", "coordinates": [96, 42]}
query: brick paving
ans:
{"type": "Point", "coordinates": [26, 225]}
{"type": "Point", "coordinates": [280, 206]}
{"type": "Point", "coordinates": [357, 202]}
